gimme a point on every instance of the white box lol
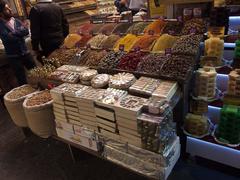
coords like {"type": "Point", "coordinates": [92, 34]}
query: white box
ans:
{"type": "Point", "coordinates": [65, 126]}
{"type": "Point", "coordinates": [105, 114]}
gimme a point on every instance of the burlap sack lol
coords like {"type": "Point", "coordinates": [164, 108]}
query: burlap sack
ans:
{"type": "Point", "coordinates": [40, 118]}
{"type": "Point", "coordinates": [15, 108]}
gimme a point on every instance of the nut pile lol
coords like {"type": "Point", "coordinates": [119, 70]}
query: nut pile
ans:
{"type": "Point", "coordinates": [177, 67]}
{"type": "Point", "coordinates": [187, 45]}
{"type": "Point", "coordinates": [39, 98]}
{"type": "Point", "coordinates": [198, 26]}
{"type": "Point", "coordinates": [173, 28]}
{"type": "Point", "coordinates": [131, 60]}
{"type": "Point", "coordinates": [111, 60]}
{"type": "Point", "coordinates": [151, 63]}
{"type": "Point", "coordinates": [94, 58]}
{"type": "Point", "coordinates": [20, 92]}
{"type": "Point", "coordinates": [41, 72]}
{"type": "Point", "coordinates": [64, 56]}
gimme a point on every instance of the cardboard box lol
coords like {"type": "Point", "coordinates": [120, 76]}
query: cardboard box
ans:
{"type": "Point", "coordinates": [87, 113]}
{"type": "Point", "coordinates": [60, 111]}
{"type": "Point", "coordinates": [106, 122]}
{"type": "Point", "coordinates": [71, 104]}
{"type": "Point", "coordinates": [64, 134]}
{"type": "Point", "coordinates": [82, 131]}
{"type": "Point", "coordinates": [105, 114]}
{"type": "Point", "coordinates": [72, 113]}
{"type": "Point", "coordinates": [127, 123]}
{"type": "Point", "coordinates": [108, 128]}
{"type": "Point", "coordinates": [123, 130]}
{"type": "Point", "coordinates": [110, 135]}
{"type": "Point", "coordinates": [74, 109]}
{"type": "Point", "coordinates": [59, 106]}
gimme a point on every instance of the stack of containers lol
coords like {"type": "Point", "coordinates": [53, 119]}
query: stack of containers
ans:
{"type": "Point", "coordinates": [205, 83]}
{"type": "Point", "coordinates": [214, 47]}
{"type": "Point", "coordinates": [85, 103]}
{"type": "Point", "coordinates": [234, 83]}
{"type": "Point", "coordinates": [229, 125]}
{"type": "Point", "coordinates": [127, 111]}
{"type": "Point", "coordinates": [236, 62]}
{"type": "Point", "coordinates": [104, 109]}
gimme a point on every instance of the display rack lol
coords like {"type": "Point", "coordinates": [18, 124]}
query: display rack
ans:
{"type": "Point", "coordinates": [207, 147]}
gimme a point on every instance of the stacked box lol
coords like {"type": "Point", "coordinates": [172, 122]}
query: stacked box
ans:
{"type": "Point", "coordinates": [157, 130]}
{"type": "Point", "coordinates": [86, 111]}
{"type": "Point", "coordinates": [127, 111]}
{"type": "Point", "coordinates": [229, 125]}
{"type": "Point", "coordinates": [205, 82]}
{"type": "Point", "coordinates": [234, 83]}
{"type": "Point", "coordinates": [64, 101]}
{"type": "Point", "coordinates": [145, 86]}
{"type": "Point", "coordinates": [143, 161]}
{"type": "Point", "coordinates": [214, 47]}
{"type": "Point", "coordinates": [165, 90]}
{"type": "Point", "coordinates": [104, 109]}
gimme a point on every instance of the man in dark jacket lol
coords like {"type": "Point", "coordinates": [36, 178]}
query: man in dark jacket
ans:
{"type": "Point", "coordinates": [12, 34]}
{"type": "Point", "coordinates": [49, 27]}
{"type": "Point", "coordinates": [122, 5]}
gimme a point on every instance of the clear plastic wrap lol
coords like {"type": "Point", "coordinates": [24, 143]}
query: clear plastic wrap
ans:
{"type": "Point", "coordinates": [122, 81]}
{"type": "Point", "coordinates": [87, 75]}
{"type": "Point", "coordinates": [100, 81]}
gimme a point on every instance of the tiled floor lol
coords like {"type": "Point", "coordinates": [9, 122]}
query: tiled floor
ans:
{"type": "Point", "coordinates": [37, 159]}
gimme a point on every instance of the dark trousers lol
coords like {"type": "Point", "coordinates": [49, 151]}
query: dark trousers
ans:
{"type": "Point", "coordinates": [18, 64]}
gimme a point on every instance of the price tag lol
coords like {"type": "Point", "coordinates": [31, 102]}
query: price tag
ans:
{"type": "Point", "coordinates": [121, 47]}
{"type": "Point", "coordinates": [168, 51]}
{"type": "Point", "coordinates": [171, 32]}
{"type": "Point", "coordinates": [180, 19]}
{"type": "Point", "coordinates": [137, 48]}
{"type": "Point", "coordinates": [193, 31]}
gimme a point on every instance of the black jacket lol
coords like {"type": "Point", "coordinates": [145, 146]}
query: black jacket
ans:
{"type": "Point", "coordinates": [49, 26]}
{"type": "Point", "coordinates": [120, 7]}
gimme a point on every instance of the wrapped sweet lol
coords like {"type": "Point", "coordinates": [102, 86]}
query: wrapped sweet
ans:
{"type": "Point", "coordinates": [72, 68]}
{"type": "Point", "coordinates": [95, 42]}
{"type": "Point", "coordinates": [205, 82]}
{"type": "Point", "coordinates": [234, 83]}
{"type": "Point", "coordinates": [214, 47]}
{"type": "Point", "coordinates": [100, 81]}
{"type": "Point", "coordinates": [155, 27]}
{"type": "Point", "coordinates": [145, 42]}
{"type": "Point", "coordinates": [110, 41]}
{"type": "Point", "coordinates": [88, 74]}
{"type": "Point", "coordinates": [122, 80]}
{"type": "Point", "coordinates": [187, 45]}
{"type": "Point", "coordinates": [228, 130]}
{"type": "Point", "coordinates": [130, 61]}
{"type": "Point", "coordinates": [111, 60]}
{"type": "Point", "coordinates": [164, 42]}
{"type": "Point", "coordinates": [126, 43]}
{"type": "Point", "coordinates": [196, 125]}
{"type": "Point", "coordinates": [144, 86]}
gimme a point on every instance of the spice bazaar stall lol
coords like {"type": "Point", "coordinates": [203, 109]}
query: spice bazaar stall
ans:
{"type": "Point", "coordinates": [139, 93]}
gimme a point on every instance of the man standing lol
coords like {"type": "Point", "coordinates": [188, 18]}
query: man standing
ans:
{"type": "Point", "coordinates": [132, 5]}
{"type": "Point", "coordinates": [12, 34]}
{"type": "Point", "coordinates": [49, 27]}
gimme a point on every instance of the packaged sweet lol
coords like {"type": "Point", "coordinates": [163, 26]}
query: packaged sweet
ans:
{"type": "Point", "coordinates": [87, 75]}
{"type": "Point", "coordinates": [122, 80]}
{"type": "Point", "coordinates": [100, 81]}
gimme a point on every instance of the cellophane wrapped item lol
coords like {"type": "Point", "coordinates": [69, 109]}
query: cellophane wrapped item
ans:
{"type": "Point", "coordinates": [142, 161]}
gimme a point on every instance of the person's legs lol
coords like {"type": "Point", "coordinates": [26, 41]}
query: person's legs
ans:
{"type": "Point", "coordinates": [16, 65]}
{"type": "Point", "coordinates": [28, 62]}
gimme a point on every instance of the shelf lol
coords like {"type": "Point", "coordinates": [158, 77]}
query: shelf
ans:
{"type": "Point", "coordinates": [210, 150]}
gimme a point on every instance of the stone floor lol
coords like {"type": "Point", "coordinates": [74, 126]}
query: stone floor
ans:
{"type": "Point", "coordinates": [37, 159]}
